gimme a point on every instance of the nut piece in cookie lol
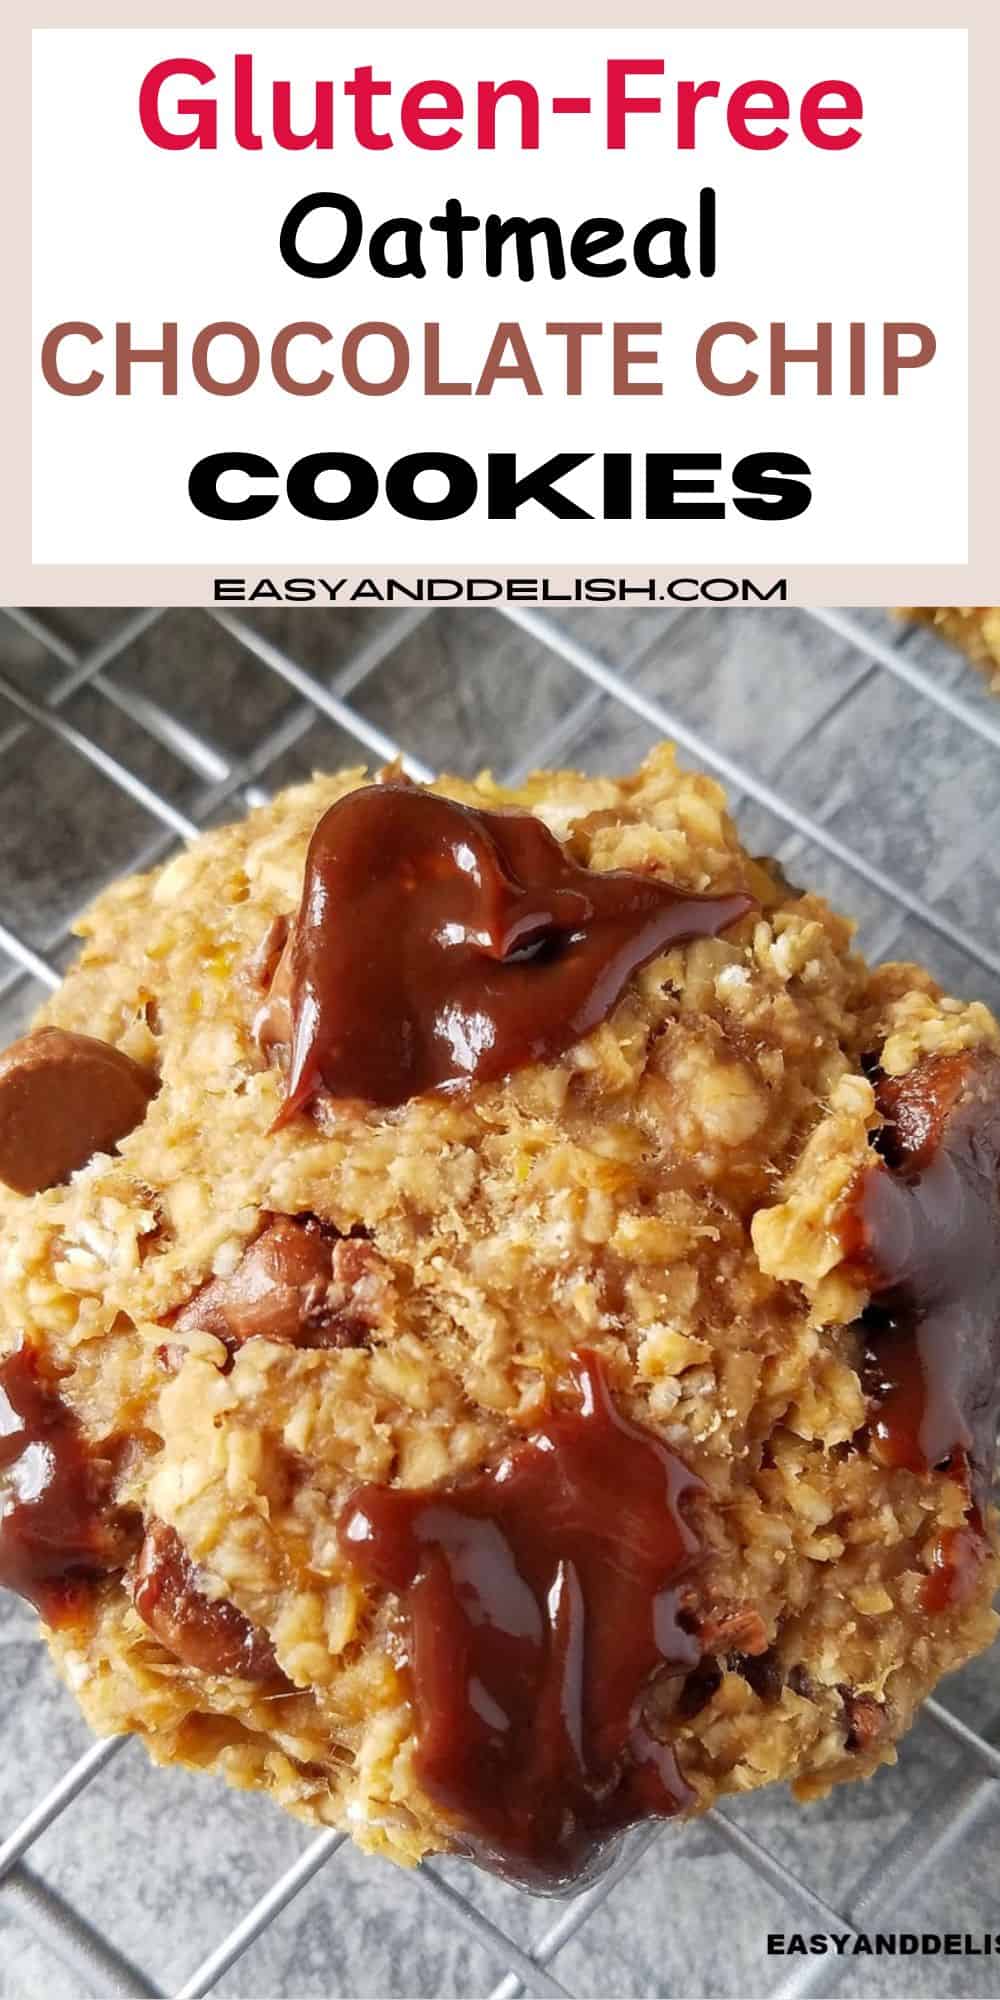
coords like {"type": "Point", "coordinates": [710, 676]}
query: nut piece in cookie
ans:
{"type": "Point", "coordinates": [63, 1098]}
{"type": "Point", "coordinates": [206, 1633]}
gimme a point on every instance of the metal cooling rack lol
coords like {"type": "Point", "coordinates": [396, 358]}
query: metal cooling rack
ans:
{"type": "Point", "coordinates": [611, 677]}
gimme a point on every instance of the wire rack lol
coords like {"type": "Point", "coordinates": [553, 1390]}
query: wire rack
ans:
{"type": "Point", "coordinates": [842, 736]}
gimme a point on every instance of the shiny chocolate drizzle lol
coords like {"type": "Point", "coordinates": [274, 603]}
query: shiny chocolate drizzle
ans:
{"type": "Point", "coordinates": [923, 1225]}
{"type": "Point", "coordinates": [437, 945]}
{"type": "Point", "coordinates": [540, 1599]}
{"type": "Point", "coordinates": [59, 1530]}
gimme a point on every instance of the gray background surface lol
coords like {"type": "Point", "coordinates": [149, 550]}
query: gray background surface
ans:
{"type": "Point", "coordinates": [801, 712]}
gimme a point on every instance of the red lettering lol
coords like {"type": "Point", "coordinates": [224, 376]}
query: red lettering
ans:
{"type": "Point", "coordinates": [246, 137]}
{"type": "Point", "coordinates": [489, 96]}
{"type": "Point", "coordinates": [740, 112]}
{"type": "Point", "coordinates": [817, 110]}
{"type": "Point", "coordinates": [364, 89]}
{"type": "Point", "coordinates": [620, 104]}
{"type": "Point", "coordinates": [689, 96]}
{"type": "Point", "coordinates": [417, 113]}
{"type": "Point", "coordinates": [320, 132]}
{"type": "Point", "coordinates": [204, 131]}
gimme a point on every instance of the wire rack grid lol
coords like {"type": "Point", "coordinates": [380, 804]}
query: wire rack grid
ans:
{"type": "Point", "coordinates": [124, 734]}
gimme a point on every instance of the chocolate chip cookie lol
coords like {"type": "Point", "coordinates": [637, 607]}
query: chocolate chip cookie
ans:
{"type": "Point", "coordinates": [500, 1317]}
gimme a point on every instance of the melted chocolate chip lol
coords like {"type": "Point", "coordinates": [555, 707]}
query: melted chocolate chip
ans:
{"type": "Point", "coordinates": [438, 945]}
{"type": "Point", "coordinates": [924, 1226]}
{"type": "Point", "coordinates": [865, 1720]}
{"type": "Point", "coordinates": [59, 1531]}
{"type": "Point", "coordinates": [63, 1098]}
{"type": "Point", "coordinates": [206, 1633]}
{"type": "Point", "coordinates": [761, 1671]}
{"type": "Point", "coordinates": [539, 1600]}
{"type": "Point", "coordinates": [698, 1689]}
{"type": "Point", "coordinates": [801, 1682]}
{"type": "Point", "coordinates": [956, 1559]}
{"type": "Point", "coordinates": [300, 1283]}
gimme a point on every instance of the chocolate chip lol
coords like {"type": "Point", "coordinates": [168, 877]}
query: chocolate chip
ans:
{"type": "Point", "coordinates": [438, 946]}
{"type": "Point", "coordinates": [300, 1283]}
{"type": "Point", "coordinates": [60, 1530]}
{"type": "Point", "coordinates": [698, 1689]}
{"type": "Point", "coordinates": [63, 1098]}
{"type": "Point", "coordinates": [762, 1671]}
{"type": "Point", "coordinates": [540, 1605]}
{"type": "Point", "coordinates": [866, 1719]}
{"type": "Point", "coordinates": [801, 1682]}
{"type": "Point", "coordinates": [922, 1223]}
{"type": "Point", "coordinates": [206, 1633]}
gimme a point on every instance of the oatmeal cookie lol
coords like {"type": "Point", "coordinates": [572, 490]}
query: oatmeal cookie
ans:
{"type": "Point", "coordinates": [974, 627]}
{"type": "Point", "coordinates": [499, 1316]}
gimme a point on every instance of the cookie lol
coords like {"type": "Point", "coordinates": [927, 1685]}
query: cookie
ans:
{"type": "Point", "coordinates": [517, 1352]}
{"type": "Point", "coordinates": [976, 628]}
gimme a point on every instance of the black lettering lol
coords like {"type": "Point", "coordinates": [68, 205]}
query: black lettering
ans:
{"type": "Point", "coordinates": [454, 224]}
{"type": "Point", "coordinates": [663, 487]}
{"type": "Point", "coordinates": [707, 232]}
{"type": "Point", "coordinates": [411, 263]}
{"type": "Point", "coordinates": [519, 231]}
{"type": "Point", "coordinates": [507, 492]}
{"type": "Point", "coordinates": [361, 495]}
{"type": "Point", "coordinates": [328, 267]}
{"type": "Point", "coordinates": [203, 486]}
{"type": "Point", "coordinates": [599, 233]}
{"type": "Point", "coordinates": [779, 497]}
{"type": "Point", "coordinates": [677, 265]}
{"type": "Point", "coordinates": [617, 486]}
{"type": "Point", "coordinates": [401, 480]}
